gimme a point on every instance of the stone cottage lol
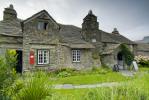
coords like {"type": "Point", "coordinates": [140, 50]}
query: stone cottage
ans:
{"type": "Point", "coordinates": [41, 42]}
{"type": "Point", "coordinates": [143, 49]}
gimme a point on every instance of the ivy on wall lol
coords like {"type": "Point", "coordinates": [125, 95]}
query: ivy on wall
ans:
{"type": "Point", "coordinates": [128, 55]}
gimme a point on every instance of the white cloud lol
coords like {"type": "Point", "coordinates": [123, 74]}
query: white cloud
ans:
{"type": "Point", "coordinates": [137, 33]}
{"type": "Point", "coordinates": [128, 21]}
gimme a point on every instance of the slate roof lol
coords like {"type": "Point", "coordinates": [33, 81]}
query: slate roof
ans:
{"type": "Point", "coordinates": [38, 14]}
{"type": "Point", "coordinates": [110, 49]}
{"type": "Point", "coordinates": [69, 34]}
{"type": "Point", "coordinates": [114, 38]}
{"type": "Point", "coordinates": [72, 35]}
{"type": "Point", "coordinates": [143, 47]}
{"type": "Point", "coordinates": [11, 28]}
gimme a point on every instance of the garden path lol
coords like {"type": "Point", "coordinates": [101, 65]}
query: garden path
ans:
{"type": "Point", "coordinates": [127, 73]}
{"type": "Point", "coordinates": [70, 86]}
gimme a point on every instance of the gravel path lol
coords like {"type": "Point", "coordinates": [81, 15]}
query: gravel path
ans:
{"type": "Point", "coordinates": [70, 86]}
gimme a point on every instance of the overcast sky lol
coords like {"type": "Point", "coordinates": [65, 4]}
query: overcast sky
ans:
{"type": "Point", "coordinates": [130, 17]}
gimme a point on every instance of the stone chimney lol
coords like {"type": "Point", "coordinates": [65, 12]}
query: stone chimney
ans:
{"type": "Point", "coordinates": [90, 22]}
{"type": "Point", "coordinates": [10, 13]}
{"type": "Point", "coordinates": [115, 31]}
{"type": "Point", "coordinates": [90, 27]}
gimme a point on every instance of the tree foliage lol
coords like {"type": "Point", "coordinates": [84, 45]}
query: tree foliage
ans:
{"type": "Point", "coordinates": [128, 55]}
{"type": "Point", "coordinates": [7, 71]}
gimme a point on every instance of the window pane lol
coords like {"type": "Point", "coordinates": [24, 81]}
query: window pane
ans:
{"type": "Point", "coordinates": [42, 25]}
{"type": "Point", "coordinates": [76, 55]}
{"type": "Point", "coordinates": [43, 56]}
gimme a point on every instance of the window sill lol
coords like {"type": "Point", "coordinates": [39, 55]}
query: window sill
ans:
{"type": "Point", "coordinates": [76, 62]}
{"type": "Point", "coordinates": [41, 65]}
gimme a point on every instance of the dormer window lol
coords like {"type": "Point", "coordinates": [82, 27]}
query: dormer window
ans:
{"type": "Point", "coordinates": [42, 25]}
{"type": "Point", "coordinates": [93, 40]}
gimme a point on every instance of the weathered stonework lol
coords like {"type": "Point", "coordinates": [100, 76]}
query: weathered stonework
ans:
{"type": "Point", "coordinates": [96, 46]}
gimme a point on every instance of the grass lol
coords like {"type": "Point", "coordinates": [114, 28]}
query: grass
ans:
{"type": "Point", "coordinates": [35, 85]}
{"type": "Point", "coordinates": [91, 78]}
{"type": "Point", "coordinates": [143, 69]}
{"type": "Point", "coordinates": [136, 89]}
{"type": "Point", "coordinates": [70, 94]}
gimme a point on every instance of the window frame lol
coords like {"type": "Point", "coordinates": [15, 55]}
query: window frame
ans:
{"type": "Point", "coordinates": [43, 57]}
{"type": "Point", "coordinates": [76, 55]}
{"type": "Point", "coordinates": [41, 25]}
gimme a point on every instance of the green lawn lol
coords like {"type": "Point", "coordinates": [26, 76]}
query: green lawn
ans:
{"type": "Point", "coordinates": [143, 69]}
{"type": "Point", "coordinates": [136, 89]}
{"type": "Point", "coordinates": [91, 78]}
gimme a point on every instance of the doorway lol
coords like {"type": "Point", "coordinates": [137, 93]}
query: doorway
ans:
{"type": "Point", "coordinates": [19, 61]}
{"type": "Point", "coordinates": [120, 60]}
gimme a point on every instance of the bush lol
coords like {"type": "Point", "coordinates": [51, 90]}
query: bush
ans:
{"type": "Point", "coordinates": [69, 70]}
{"type": "Point", "coordinates": [143, 61]}
{"type": "Point", "coordinates": [63, 74]}
{"type": "Point", "coordinates": [128, 55]}
{"type": "Point", "coordinates": [7, 71]}
{"type": "Point", "coordinates": [34, 86]}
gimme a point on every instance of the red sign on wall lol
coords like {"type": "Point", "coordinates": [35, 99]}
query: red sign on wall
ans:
{"type": "Point", "coordinates": [32, 58]}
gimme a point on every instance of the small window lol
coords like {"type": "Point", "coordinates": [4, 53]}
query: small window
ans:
{"type": "Point", "coordinates": [76, 55]}
{"type": "Point", "coordinates": [43, 57]}
{"type": "Point", "coordinates": [42, 25]}
{"type": "Point", "coordinates": [93, 40]}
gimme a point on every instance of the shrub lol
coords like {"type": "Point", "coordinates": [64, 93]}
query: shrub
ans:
{"type": "Point", "coordinates": [63, 74]}
{"type": "Point", "coordinates": [70, 70]}
{"type": "Point", "coordinates": [142, 60]}
{"type": "Point", "coordinates": [128, 55]}
{"type": "Point", "coordinates": [34, 86]}
{"type": "Point", "coordinates": [7, 71]}
{"type": "Point", "coordinates": [11, 58]}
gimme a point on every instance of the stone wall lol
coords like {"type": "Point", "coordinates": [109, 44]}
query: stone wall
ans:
{"type": "Point", "coordinates": [34, 39]}
{"type": "Point", "coordinates": [108, 60]}
{"type": "Point", "coordinates": [143, 53]}
{"type": "Point", "coordinates": [60, 54]}
{"type": "Point", "coordinates": [86, 61]}
{"type": "Point", "coordinates": [142, 49]}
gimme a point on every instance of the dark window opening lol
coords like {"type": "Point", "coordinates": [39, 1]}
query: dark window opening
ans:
{"type": "Point", "coordinates": [45, 26]}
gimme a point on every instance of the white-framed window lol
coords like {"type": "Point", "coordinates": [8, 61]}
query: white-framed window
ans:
{"type": "Point", "coordinates": [42, 25]}
{"type": "Point", "coordinates": [43, 56]}
{"type": "Point", "coordinates": [76, 55]}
